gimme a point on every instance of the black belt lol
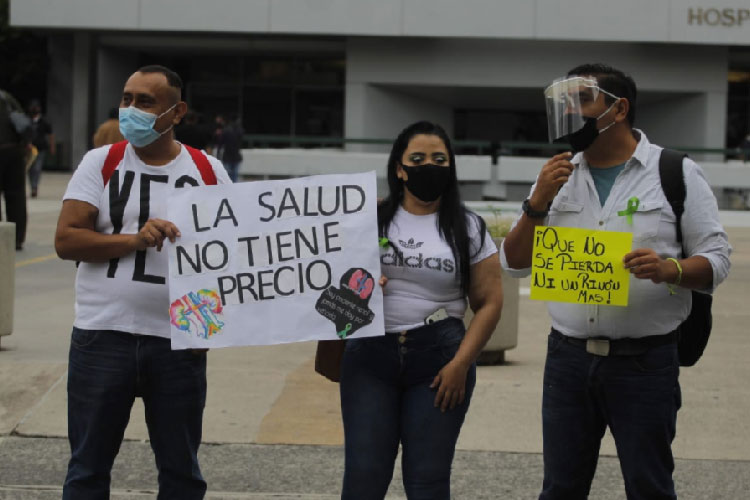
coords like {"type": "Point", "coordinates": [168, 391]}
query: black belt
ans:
{"type": "Point", "coordinates": [617, 347]}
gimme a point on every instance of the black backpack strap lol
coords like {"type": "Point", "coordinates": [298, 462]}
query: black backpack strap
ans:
{"type": "Point", "coordinates": [673, 185]}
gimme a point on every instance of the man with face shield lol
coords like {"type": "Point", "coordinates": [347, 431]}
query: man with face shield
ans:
{"type": "Point", "coordinates": [610, 366]}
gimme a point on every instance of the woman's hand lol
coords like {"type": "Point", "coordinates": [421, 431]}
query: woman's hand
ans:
{"type": "Point", "coordinates": [382, 281]}
{"type": "Point", "coordinates": [451, 385]}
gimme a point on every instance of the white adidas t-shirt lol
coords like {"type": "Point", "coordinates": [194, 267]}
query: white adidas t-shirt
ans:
{"type": "Point", "coordinates": [424, 279]}
{"type": "Point", "coordinates": [129, 294]}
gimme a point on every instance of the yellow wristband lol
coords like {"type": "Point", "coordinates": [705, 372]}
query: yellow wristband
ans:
{"type": "Point", "coordinates": [679, 276]}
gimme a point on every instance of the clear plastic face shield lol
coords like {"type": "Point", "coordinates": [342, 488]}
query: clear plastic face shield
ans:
{"type": "Point", "coordinates": [568, 100]}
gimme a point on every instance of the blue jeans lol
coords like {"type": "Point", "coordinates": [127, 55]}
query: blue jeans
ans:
{"type": "Point", "coordinates": [35, 171]}
{"type": "Point", "coordinates": [233, 169]}
{"type": "Point", "coordinates": [636, 396]}
{"type": "Point", "coordinates": [107, 371]}
{"type": "Point", "coordinates": [386, 399]}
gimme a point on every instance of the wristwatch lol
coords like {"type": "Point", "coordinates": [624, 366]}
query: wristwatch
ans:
{"type": "Point", "coordinates": [534, 214]}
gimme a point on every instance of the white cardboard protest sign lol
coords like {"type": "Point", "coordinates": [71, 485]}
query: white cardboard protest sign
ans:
{"type": "Point", "coordinates": [271, 262]}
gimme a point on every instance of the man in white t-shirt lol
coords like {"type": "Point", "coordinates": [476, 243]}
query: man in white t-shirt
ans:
{"type": "Point", "coordinates": [112, 224]}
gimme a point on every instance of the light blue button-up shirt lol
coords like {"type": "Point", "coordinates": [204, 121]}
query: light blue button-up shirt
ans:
{"type": "Point", "coordinates": [651, 309]}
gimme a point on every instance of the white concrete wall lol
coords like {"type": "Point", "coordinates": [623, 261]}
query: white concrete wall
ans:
{"type": "Point", "coordinates": [504, 63]}
{"type": "Point", "coordinates": [381, 113]}
{"type": "Point", "coordinates": [81, 101]}
{"type": "Point", "coordinates": [692, 121]}
{"type": "Point", "coordinates": [684, 21]}
{"type": "Point", "coordinates": [694, 115]}
{"type": "Point", "coordinates": [7, 276]}
{"type": "Point", "coordinates": [114, 67]}
{"type": "Point", "coordinates": [513, 169]}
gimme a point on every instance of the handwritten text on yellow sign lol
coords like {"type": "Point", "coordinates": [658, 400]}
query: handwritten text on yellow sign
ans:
{"type": "Point", "coordinates": [583, 266]}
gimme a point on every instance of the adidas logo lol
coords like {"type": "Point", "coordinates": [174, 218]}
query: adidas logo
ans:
{"type": "Point", "coordinates": [410, 244]}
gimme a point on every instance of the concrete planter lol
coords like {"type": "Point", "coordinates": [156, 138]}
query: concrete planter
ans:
{"type": "Point", "coordinates": [505, 335]}
{"type": "Point", "coordinates": [7, 275]}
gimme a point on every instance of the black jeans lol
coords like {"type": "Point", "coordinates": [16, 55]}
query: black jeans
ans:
{"type": "Point", "coordinates": [13, 189]}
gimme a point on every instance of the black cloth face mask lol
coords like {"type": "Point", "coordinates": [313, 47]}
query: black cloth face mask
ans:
{"type": "Point", "coordinates": [427, 182]}
{"type": "Point", "coordinates": [581, 139]}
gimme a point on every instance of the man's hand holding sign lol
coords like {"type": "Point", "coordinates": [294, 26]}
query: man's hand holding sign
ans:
{"type": "Point", "coordinates": [274, 262]}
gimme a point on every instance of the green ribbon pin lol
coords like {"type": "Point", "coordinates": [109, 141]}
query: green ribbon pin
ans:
{"type": "Point", "coordinates": [383, 242]}
{"type": "Point", "coordinates": [632, 207]}
{"type": "Point", "coordinates": [342, 333]}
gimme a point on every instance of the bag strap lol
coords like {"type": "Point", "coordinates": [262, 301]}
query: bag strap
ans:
{"type": "Point", "coordinates": [114, 157]}
{"type": "Point", "coordinates": [673, 184]}
{"type": "Point", "coordinates": [11, 104]}
{"type": "Point", "coordinates": [117, 151]}
{"type": "Point", "coordinates": [204, 166]}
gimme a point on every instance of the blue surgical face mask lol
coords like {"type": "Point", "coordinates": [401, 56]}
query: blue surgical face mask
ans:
{"type": "Point", "coordinates": [137, 126]}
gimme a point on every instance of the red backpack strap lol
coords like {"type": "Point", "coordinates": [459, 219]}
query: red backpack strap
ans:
{"type": "Point", "coordinates": [114, 157]}
{"type": "Point", "coordinates": [204, 166]}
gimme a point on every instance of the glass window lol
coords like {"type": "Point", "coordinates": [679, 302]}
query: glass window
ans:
{"type": "Point", "coordinates": [269, 70]}
{"type": "Point", "coordinates": [319, 112]}
{"type": "Point", "coordinates": [211, 99]}
{"type": "Point", "coordinates": [216, 68]}
{"type": "Point", "coordinates": [501, 126]}
{"type": "Point", "coordinates": [738, 108]}
{"type": "Point", "coordinates": [329, 72]}
{"type": "Point", "coordinates": [267, 110]}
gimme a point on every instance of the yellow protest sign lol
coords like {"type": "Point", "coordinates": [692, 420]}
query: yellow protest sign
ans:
{"type": "Point", "coordinates": [582, 266]}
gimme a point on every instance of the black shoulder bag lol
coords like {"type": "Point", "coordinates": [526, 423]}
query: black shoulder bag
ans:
{"type": "Point", "coordinates": [693, 333]}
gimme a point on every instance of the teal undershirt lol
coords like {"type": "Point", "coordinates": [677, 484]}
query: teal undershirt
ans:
{"type": "Point", "coordinates": [604, 179]}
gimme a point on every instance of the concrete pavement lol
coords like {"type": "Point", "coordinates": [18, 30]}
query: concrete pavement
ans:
{"type": "Point", "coordinates": [272, 427]}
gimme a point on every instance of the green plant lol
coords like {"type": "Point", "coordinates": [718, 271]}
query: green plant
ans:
{"type": "Point", "coordinates": [498, 224]}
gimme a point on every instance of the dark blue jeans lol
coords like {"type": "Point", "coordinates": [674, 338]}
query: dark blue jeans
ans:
{"type": "Point", "coordinates": [35, 171]}
{"type": "Point", "coordinates": [233, 169]}
{"type": "Point", "coordinates": [106, 372]}
{"type": "Point", "coordinates": [636, 396]}
{"type": "Point", "coordinates": [386, 399]}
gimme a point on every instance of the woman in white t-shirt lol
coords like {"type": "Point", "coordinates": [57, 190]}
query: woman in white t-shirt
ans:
{"type": "Point", "coordinates": [413, 385]}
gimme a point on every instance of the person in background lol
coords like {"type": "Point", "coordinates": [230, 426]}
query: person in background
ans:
{"type": "Point", "coordinates": [109, 131]}
{"type": "Point", "coordinates": [228, 141]}
{"type": "Point", "coordinates": [43, 140]}
{"type": "Point", "coordinates": [413, 385]}
{"type": "Point", "coordinates": [13, 147]}
{"type": "Point", "coordinates": [745, 148]}
{"type": "Point", "coordinates": [193, 133]}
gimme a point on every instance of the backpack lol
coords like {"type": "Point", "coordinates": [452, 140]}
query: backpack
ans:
{"type": "Point", "coordinates": [693, 333]}
{"type": "Point", "coordinates": [117, 151]}
{"type": "Point", "coordinates": [19, 120]}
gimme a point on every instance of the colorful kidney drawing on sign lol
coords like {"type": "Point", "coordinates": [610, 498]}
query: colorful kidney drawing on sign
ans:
{"type": "Point", "coordinates": [347, 306]}
{"type": "Point", "coordinates": [198, 313]}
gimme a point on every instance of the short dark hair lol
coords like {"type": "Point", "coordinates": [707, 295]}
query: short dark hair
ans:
{"type": "Point", "coordinates": [613, 81]}
{"type": "Point", "coordinates": [113, 113]}
{"type": "Point", "coordinates": [173, 79]}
